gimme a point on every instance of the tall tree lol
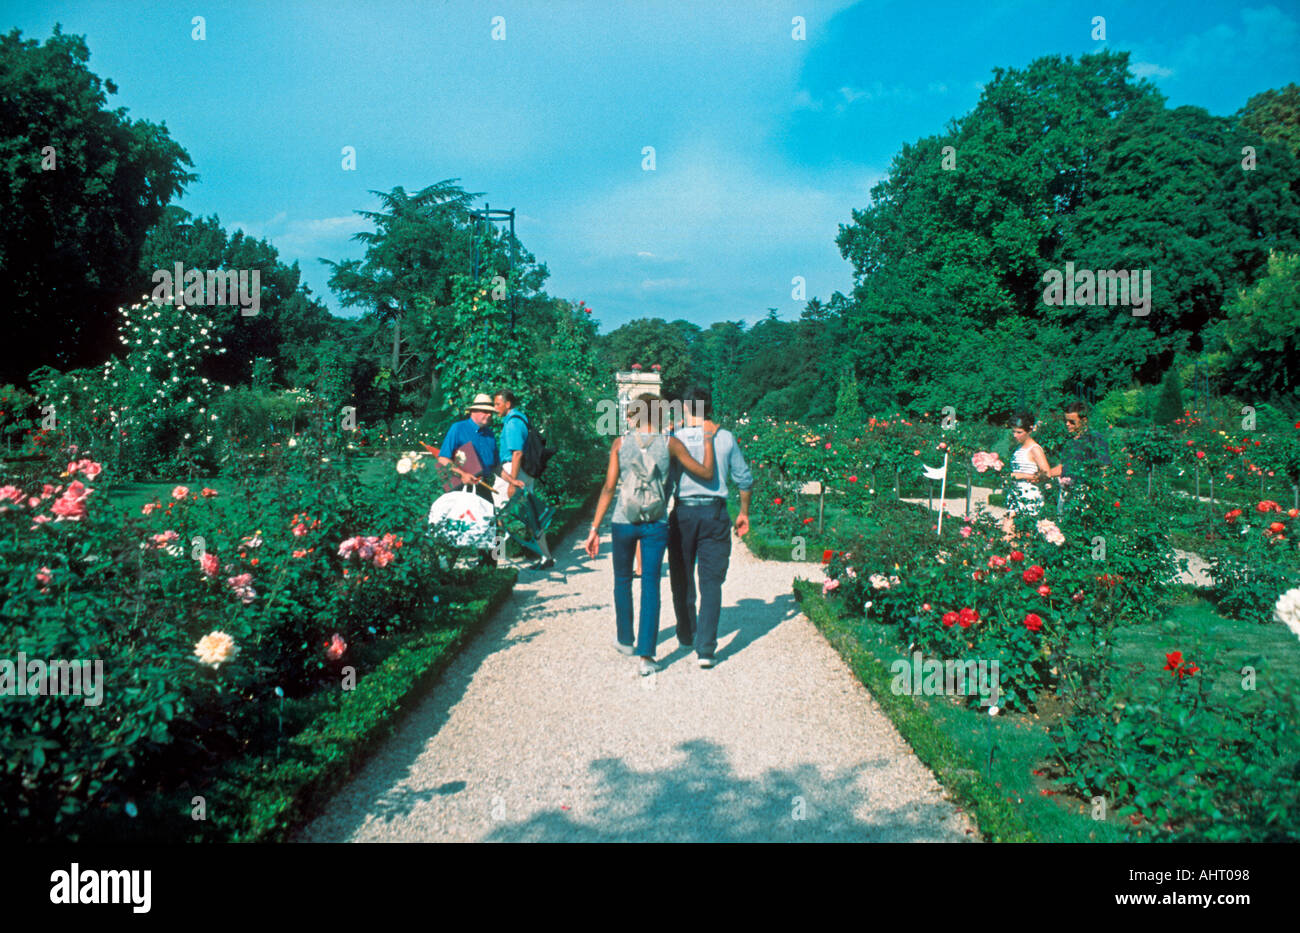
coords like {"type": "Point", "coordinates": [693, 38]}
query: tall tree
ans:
{"type": "Point", "coordinates": [1061, 162]}
{"type": "Point", "coordinates": [83, 184]}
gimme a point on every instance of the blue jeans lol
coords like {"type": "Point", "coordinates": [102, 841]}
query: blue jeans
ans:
{"type": "Point", "coordinates": [654, 541]}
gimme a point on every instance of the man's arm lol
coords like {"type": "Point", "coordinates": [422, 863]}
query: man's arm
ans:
{"type": "Point", "coordinates": [511, 472]}
{"type": "Point", "coordinates": [738, 471]}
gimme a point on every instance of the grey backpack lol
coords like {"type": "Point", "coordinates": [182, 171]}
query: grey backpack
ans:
{"type": "Point", "coordinates": [641, 491]}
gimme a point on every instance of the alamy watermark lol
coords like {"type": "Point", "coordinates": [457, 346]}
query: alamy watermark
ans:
{"type": "Point", "coordinates": [663, 414]}
{"type": "Point", "coordinates": [209, 287]}
{"type": "Point", "coordinates": [37, 677]}
{"type": "Point", "coordinates": [1130, 287]}
{"type": "Point", "coordinates": [954, 677]}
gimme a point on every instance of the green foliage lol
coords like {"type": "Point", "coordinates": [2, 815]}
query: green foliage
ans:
{"type": "Point", "coordinates": [949, 262]}
{"type": "Point", "coordinates": [1181, 762]}
{"type": "Point", "coordinates": [848, 412]}
{"type": "Point", "coordinates": [1169, 403]}
{"type": "Point", "coordinates": [1261, 334]}
{"type": "Point", "coordinates": [1274, 115]}
{"type": "Point", "coordinates": [72, 227]}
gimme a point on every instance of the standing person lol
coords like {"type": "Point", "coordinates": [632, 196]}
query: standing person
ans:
{"type": "Point", "coordinates": [474, 430]}
{"type": "Point", "coordinates": [638, 470]}
{"type": "Point", "coordinates": [1028, 467]}
{"type": "Point", "coordinates": [514, 432]}
{"type": "Point", "coordinates": [699, 529]}
{"type": "Point", "coordinates": [1084, 453]}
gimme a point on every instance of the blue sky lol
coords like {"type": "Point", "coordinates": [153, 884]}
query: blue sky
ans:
{"type": "Point", "coordinates": [763, 144]}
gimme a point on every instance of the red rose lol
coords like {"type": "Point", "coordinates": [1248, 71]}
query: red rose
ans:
{"type": "Point", "coordinates": [776, 501]}
{"type": "Point", "coordinates": [1277, 528]}
{"type": "Point", "coordinates": [1033, 574]}
{"type": "Point", "coordinates": [1173, 661]}
{"type": "Point", "coordinates": [1016, 556]}
{"type": "Point", "coordinates": [827, 555]}
{"type": "Point", "coordinates": [808, 520]}
{"type": "Point", "coordinates": [1116, 505]}
{"type": "Point", "coordinates": [1044, 590]}
{"type": "Point", "coordinates": [853, 479]}
{"type": "Point", "coordinates": [1200, 455]}
{"type": "Point", "coordinates": [949, 619]}
{"type": "Point", "coordinates": [1033, 622]}
{"type": "Point", "coordinates": [967, 616]}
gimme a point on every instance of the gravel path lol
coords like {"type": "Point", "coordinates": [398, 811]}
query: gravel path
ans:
{"type": "Point", "coordinates": [540, 731]}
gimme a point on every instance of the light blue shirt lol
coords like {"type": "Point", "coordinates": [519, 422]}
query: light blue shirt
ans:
{"type": "Point", "coordinates": [727, 457]}
{"type": "Point", "coordinates": [513, 435]}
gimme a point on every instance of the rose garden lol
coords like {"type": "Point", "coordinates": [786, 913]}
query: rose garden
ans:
{"type": "Point", "coordinates": [229, 513]}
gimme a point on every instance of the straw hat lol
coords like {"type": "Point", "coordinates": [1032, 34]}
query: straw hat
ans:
{"type": "Point", "coordinates": [482, 402]}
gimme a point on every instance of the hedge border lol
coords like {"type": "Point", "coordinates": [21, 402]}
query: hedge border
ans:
{"type": "Point", "coordinates": [997, 820]}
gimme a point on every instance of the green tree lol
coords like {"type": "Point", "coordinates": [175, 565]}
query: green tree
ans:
{"type": "Point", "coordinates": [1060, 162]}
{"type": "Point", "coordinates": [1275, 115]}
{"type": "Point", "coordinates": [848, 412]}
{"type": "Point", "coordinates": [83, 184]}
{"type": "Point", "coordinates": [650, 342]}
{"type": "Point", "coordinates": [1259, 339]}
{"type": "Point", "coordinates": [290, 325]}
{"type": "Point", "coordinates": [1169, 403]}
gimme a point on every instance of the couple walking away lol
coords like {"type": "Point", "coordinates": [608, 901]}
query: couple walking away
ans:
{"type": "Point", "coordinates": [647, 469]}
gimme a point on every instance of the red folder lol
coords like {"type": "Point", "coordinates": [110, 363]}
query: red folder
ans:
{"type": "Point", "coordinates": [466, 458]}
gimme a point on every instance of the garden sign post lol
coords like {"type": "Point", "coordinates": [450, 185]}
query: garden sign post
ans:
{"type": "Point", "coordinates": [941, 474]}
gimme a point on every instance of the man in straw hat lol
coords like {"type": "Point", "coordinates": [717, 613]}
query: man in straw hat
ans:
{"type": "Point", "coordinates": [474, 471]}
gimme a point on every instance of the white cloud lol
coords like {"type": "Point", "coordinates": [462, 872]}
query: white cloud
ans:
{"type": "Point", "coordinates": [659, 284]}
{"type": "Point", "coordinates": [1150, 70]}
{"type": "Point", "coordinates": [295, 237]}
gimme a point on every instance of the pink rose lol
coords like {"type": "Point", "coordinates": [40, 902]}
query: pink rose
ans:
{"type": "Point", "coordinates": [336, 646]}
{"type": "Point", "coordinates": [180, 492]}
{"type": "Point", "coordinates": [149, 507]}
{"type": "Point", "coordinates": [210, 564]}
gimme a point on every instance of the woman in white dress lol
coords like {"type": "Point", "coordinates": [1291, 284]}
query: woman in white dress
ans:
{"type": "Point", "coordinates": [1028, 468]}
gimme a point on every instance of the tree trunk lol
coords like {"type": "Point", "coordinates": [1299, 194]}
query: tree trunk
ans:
{"type": "Point", "coordinates": [397, 340]}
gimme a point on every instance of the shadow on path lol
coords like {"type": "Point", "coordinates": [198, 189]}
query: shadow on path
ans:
{"type": "Point", "coordinates": [701, 800]}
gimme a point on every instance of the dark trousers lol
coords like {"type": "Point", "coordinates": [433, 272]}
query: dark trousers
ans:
{"type": "Point", "coordinates": [698, 536]}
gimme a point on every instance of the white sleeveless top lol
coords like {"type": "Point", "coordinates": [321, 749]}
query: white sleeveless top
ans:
{"type": "Point", "coordinates": [1023, 462]}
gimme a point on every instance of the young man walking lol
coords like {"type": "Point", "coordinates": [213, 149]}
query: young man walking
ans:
{"type": "Point", "coordinates": [699, 528]}
{"type": "Point", "coordinates": [514, 432]}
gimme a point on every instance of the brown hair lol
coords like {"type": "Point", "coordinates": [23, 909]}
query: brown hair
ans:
{"type": "Point", "coordinates": [644, 407]}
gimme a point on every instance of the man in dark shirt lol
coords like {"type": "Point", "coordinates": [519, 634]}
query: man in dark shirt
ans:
{"type": "Point", "coordinates": [1084, 453]}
